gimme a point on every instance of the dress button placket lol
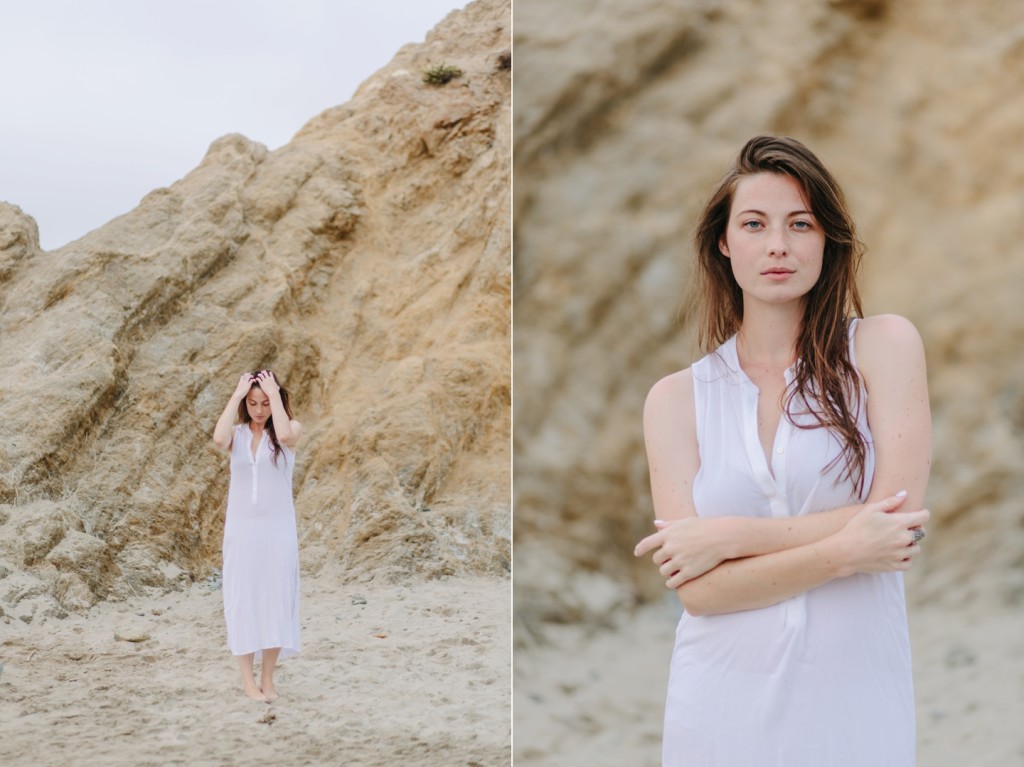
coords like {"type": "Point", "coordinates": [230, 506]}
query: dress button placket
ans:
{"type": "Point", "coordinates": [780, 507]}
{"type": "Point", "coordinates": [755, 453]}
{"type": "Point", "coordinates": [779, 500]}
{"type": "Point", "coordinates": [254, 475]}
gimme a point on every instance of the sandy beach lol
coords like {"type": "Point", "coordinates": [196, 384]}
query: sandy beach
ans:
{"type": "Point", "coordinates": [595, 697]}
{"type": "Point", "coordinates": [412, 674]}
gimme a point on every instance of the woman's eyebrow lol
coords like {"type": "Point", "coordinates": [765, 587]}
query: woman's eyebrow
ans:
{"type": "Point", "coordinates": [762, 213]}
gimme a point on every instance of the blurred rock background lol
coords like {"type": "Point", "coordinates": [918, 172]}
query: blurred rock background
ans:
{"type": "Point", "coordinates": [625, 116]}
{"type": "Point", "coordinates": [367, 262]}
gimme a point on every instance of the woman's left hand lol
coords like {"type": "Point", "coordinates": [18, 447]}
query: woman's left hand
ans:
{"type": "Point", "coordinates": [267, 382]}
{"type": "Point", "coordinates": [685, 549]}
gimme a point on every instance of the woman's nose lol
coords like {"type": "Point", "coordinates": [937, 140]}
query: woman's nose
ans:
{"type": "Point", "coordinates": [777, 245]}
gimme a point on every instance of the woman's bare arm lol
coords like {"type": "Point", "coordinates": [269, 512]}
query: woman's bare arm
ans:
{"type": "Point", "coordinates": [287, 430]}
{"type": "Point", "coordinates": [890, 356]}
{"type": "Point", "coordinates": [223, 432]}
{"type": "Point", "coordinates": [686, 548]}
{"type": "Point", "coordinates": [874, 541]}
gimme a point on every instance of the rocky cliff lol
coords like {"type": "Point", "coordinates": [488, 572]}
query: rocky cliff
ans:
{"type": "Point", "coordinates": [367, 262]}
{"type": "Point", "coordinates": [625, 116]}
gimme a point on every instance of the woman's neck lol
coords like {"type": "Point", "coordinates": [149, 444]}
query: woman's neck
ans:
{"type": "Point", "coordinates": [256, 428]}
{"type": "Point", "coordinates": [768, 334]}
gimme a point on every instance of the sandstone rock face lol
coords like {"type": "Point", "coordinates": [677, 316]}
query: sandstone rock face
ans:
{"type": "Point", "coordinates": [625, 117]}
{"type": "Point", "coordinates": [367, 262]}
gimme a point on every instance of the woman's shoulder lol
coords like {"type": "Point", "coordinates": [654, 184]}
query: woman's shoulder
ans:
{"type": "Point", "coordinates": [886, 323]}
{"type": "Point", "coordinates": [672, 392]}
{"type": "Point", "coordinates": [887, 340]}
{"type": "Point", "coordinates": [886, 332]}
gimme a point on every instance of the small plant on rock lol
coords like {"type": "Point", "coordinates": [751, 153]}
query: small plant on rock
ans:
{"type": "Point", "coordinates": [440, 74]}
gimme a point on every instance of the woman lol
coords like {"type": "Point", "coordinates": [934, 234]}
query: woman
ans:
{"type": "Point", "coordinates": [261, 553]}
{"type": "Point", "coordinates": [778, 463]}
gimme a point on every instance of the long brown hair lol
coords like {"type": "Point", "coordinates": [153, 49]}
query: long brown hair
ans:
{"type": "Point", "coordinates": [244, 417]}
{"type": "Point", "coordinates": [825, 379]}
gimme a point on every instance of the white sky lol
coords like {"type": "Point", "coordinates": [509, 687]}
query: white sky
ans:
{"type": "Point", "coordinates": [106, 100]}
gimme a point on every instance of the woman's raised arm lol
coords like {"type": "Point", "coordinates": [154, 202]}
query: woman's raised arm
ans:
{"type": "Point", "coordinates": [287, 430]}
{"type": "Point", "coordinates": [224, 430]}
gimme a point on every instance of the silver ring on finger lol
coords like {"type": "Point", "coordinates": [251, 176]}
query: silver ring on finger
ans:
{"type": "Point", "coordinates": [919, 533]}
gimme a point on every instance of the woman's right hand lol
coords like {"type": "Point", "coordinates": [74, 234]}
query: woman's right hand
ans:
{"type": "Point", "coordinates": [244, 384]}
{"type": "Point", "coordinates": [877, 541]}
{"type": "Point", "coordinates": [685, 549]}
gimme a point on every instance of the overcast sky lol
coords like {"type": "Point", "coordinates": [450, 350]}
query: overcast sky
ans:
{"type": "Point", "coordinates": [104, 101]}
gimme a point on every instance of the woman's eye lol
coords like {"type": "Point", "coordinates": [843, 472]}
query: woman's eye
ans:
{"type": "Point", "coordinates": [802, 224]}
{"type": "Point", "coordinates": [753, 225]}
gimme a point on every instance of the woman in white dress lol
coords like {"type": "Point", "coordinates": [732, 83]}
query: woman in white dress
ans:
{"type": "Point", "coordinates": [788, 471]}
{"type": "Point", "coordinates": [261, 557]}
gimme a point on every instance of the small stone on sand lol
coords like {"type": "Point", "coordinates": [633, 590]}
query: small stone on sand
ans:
{"type": "Point", "coordinates": [131, 636]}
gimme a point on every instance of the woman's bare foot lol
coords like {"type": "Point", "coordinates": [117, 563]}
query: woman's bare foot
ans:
{"type": "Point", "coordinates": [256, 693]}
{"type": "Point", "coordinates": [267, 672]}
{"type": "Point", "coordinates": [248, 683]}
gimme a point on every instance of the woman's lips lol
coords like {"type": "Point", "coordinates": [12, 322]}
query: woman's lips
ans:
{"type": "Point", "coordinates": [777, 274]}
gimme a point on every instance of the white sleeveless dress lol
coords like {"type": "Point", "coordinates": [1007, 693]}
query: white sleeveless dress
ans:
{"type": "Point", "coordinates": [819, 680]}
{"type": "Point", "coordinates": [261, 550]}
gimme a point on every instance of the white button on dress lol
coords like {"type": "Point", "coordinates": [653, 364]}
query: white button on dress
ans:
{"type": "Point", "coordinates": [819, 680]}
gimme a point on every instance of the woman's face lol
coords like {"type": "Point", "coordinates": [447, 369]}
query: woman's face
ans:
{"type": "Point", "coordinates": [258, 405]}
{"type": "Point", "coordinates": [772, 240]}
